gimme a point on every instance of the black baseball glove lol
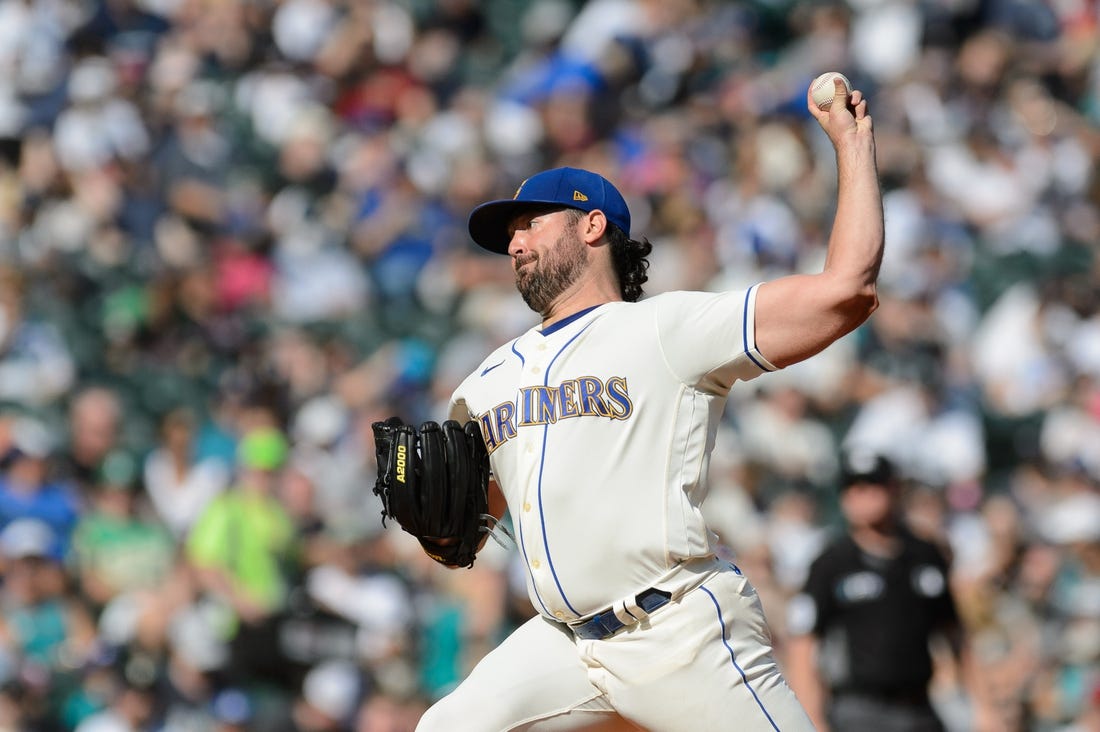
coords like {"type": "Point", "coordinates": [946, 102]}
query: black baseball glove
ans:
{"type": "Point", "coordinates": [434, 483]}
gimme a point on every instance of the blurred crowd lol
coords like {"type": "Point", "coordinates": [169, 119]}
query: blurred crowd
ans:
{"type": "Point", "coordinates": [232, 235]}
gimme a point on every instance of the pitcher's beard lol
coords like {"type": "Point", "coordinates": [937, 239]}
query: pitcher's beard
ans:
{"type": "Point", "coordinates": [551, 274]}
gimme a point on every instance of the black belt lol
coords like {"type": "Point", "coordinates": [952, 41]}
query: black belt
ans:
{"type": "Point", "coordinates": [605, 624]}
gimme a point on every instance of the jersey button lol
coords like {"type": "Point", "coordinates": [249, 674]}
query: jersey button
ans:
{"type": "Point", "coordinates": [542, 346]}
{"type": "Point", "coordinates": [535, 564]}
{"type": "Point", "coordinates": [527, 507]}
{"type": "Point", "coordinates": [535, 369]}
{"type": "Point", "coordinates": [559, 615]}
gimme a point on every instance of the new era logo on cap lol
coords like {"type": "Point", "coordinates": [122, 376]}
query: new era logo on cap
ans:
{"type": "Point", "coordinates": [568, 187]}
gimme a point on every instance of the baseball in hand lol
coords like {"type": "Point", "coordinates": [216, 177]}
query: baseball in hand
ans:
{"type": "Point", "coordinates": [823, 89]}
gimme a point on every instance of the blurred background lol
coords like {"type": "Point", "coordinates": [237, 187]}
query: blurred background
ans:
{"type": "Point", "coordinates": [232, 235]}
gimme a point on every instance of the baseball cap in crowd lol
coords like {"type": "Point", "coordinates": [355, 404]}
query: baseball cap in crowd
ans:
{"type": "Point", "coordinates": [232, 707]}
{"type": "Point", "coordinates": [862, 465]}
{"type": "Point", "coordinates": [332, 688]}
{"type": "Point", "coordinates": [263, 448]}
{"type": "Point", "coordinates": [118, 471]}
{"type": "Point", "coordinates": [1072, 520]}
{"type": "Point", "coordinates": [29, 438]}
{"type": "Point", "coordinates": [569, 187]}
{"type": "Point", "coordinates": [27, 537]}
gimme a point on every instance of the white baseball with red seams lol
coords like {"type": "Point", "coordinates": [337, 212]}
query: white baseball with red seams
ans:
{"type": "Point", "coordinates": [823, 88]}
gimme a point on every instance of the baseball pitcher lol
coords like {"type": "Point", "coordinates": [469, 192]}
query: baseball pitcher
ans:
{"type": "Point", "coordinates": [597, 426]}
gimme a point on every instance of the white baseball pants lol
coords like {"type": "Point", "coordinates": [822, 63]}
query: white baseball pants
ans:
{"type": "Point", "coordinates": [702, 663]}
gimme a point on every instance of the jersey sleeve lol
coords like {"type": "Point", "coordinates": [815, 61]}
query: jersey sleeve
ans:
{"type": "Point", "coordinates": [946, 613]}
{"type": "Point", "coordinates": [810, 611]}
{"type": "Point", "coordinates": [709, 339]}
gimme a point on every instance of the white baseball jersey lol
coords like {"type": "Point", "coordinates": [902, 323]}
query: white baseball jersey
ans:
{"type": "Point", "coordinates": [599, 430]}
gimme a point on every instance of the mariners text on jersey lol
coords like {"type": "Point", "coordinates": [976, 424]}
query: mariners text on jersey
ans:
{"type": "Point", "coordinates": [586, 396]}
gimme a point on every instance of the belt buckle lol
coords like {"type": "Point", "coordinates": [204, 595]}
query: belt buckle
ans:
{"type": "Point", "coordinates": [651, 599]}
{"type": "Point", "coordinates": [605, 623]}
{"type": "Point", "coordinates": [599, 626]}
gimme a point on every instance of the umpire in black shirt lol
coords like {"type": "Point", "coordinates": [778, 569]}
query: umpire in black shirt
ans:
{"type": "Point", "coordinates": [859, 657]}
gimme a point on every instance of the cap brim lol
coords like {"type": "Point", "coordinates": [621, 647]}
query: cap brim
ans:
{"type": "Point", "coordinates": [489, 222]}
{"type": "Point", "coordinates": [883, 479]}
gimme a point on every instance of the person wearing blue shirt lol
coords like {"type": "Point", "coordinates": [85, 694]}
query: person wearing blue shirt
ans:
{"type": "Point", "coordinates": [26, 490]}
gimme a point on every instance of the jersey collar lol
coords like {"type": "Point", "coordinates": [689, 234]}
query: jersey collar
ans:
{"type": "Point", "coordinates": [566, 321]}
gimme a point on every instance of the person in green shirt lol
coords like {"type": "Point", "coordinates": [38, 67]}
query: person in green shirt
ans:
{"type": "Point", "coordinates": [116, 548]}
{"type": "Point", "coordinates": [244, 541]}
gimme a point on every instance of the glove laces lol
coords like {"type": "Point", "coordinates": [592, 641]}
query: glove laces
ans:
{"type": "Point", "coordinates": [495, 528]}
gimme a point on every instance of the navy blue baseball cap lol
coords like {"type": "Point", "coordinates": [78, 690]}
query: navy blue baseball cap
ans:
{"type": "Point", "coordinates": [569, 187]}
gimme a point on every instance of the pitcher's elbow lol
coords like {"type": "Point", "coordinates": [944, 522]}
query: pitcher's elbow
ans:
{"type": "Point", "coordinates": [869, 301]}
{"type": "Point", "coordinates": [859, 307]}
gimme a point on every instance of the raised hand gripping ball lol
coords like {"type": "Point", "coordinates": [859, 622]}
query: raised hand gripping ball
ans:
{"type": "Point", "coordinates": [823, 89]}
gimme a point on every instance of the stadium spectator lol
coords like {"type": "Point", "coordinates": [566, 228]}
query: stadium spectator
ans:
{"type": "Point", "coordinates": [180, 482]}
{"type": "Point", "coordinates": [27, 489]}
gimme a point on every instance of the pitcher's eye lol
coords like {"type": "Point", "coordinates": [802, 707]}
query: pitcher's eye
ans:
{"type": "Point", "coordinates": [521, 225]}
